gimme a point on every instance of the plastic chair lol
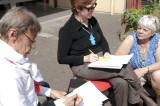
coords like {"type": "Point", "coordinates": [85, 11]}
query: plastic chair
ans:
{"type": "Point", "coordinates": [102, 85]}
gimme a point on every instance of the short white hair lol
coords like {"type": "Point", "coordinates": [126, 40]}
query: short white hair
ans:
{"type": "Point", "coordinates": [150, 22]}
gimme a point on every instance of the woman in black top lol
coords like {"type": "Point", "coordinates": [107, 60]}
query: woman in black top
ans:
{"type": "Point", "coordinates": [81, 33]}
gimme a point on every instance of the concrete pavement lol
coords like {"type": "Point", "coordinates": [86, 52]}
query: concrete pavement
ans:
{"type": "Point", "coordinates": [45, 54]}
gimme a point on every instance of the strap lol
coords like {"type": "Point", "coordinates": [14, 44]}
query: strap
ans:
{"type": "Point", "coordinates": [37, 87]}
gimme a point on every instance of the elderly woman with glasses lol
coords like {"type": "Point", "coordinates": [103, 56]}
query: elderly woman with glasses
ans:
{"type": "Point", "coordinates": [145, 45]}
{"type": "Point", "coordinates": [19, 78]}
{"type": "Point", "coordinates": [82, 34]}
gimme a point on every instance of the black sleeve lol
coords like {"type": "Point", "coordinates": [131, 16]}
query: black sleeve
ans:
{"type": "Point", "coordinates": [64, 47]}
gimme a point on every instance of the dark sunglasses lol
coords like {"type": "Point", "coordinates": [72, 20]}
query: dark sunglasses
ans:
{"type": "Point", "coordinates": [91, 8]}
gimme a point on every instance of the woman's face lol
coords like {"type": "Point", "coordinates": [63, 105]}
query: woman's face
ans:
{"type": "Point", "coordinates": [88, 10]}
{"type": "Point", "coordinates": [25, 43]}
{"type": "Point", "coordinates": [144, 33]}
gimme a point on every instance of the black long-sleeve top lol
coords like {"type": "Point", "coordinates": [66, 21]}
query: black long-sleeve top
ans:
{"type": "Point", "coordinates": [74, 41]}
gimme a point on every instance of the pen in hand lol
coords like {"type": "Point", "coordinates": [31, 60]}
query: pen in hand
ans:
{"type": "Point", "coordinates": [75, 100]}
{"type": "Point", "coordinates": [91, 51]}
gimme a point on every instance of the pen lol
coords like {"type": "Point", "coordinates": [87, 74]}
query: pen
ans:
{"type": "Point", "coordinates": [91, 51]}
{"type": "Point", "coordinates": [75, 100]}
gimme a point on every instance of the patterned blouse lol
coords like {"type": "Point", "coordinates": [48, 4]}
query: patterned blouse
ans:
{"type": "Point", "coordinates": [137, 61]}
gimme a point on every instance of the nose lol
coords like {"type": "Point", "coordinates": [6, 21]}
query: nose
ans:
{"type": "Point", "coordinates": [141, 30]}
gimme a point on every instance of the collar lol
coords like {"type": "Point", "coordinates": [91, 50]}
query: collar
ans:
{"type": "Point", "coordinates": [9, 53]}
{"type": "Point", "coordinates": [78, 25]}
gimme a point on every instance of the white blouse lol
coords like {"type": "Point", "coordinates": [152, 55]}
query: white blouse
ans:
{"type": "Point", "coordinates": [16, 79]}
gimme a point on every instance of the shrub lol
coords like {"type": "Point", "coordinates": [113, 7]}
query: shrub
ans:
{"type": "Point", "coordinates": [131, 16]}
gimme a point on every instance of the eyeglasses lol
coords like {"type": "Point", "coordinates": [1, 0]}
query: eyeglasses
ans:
{"type": "Point", "coordinates": [32, 41]}
{"type": "Point", "coordinates": [91, 8]}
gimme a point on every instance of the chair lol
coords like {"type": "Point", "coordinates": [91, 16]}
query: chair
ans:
{"type": "Point", "coordinates": [102, 85]}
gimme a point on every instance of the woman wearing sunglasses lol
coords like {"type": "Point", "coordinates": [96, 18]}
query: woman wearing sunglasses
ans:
{"type": "Point", "coordinates": [82, 33]}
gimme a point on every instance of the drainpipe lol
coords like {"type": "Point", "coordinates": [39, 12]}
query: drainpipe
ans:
{"type": "Point", "coordinates": [55, 3]}
{"type": "Point", "coordinates": [125, 4]}
{"type": "Point", "coordinates": [112, 7]}
{"type": "Point", "coordinates": [12, 3]}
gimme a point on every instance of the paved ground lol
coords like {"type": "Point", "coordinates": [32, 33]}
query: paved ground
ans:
{"type": "Point", "coordinates": [45, 55]}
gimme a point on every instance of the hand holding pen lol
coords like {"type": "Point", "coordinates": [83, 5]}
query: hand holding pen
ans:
{"type": "Point", "coordinates": [91, 57]}
{"type": "Point", "coordinates": [74, 100]}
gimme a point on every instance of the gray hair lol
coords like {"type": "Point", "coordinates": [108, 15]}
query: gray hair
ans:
{"type": "Point", "coordinates": [149, 21]}
{"type": "Point", "coordinates": [20, 19]}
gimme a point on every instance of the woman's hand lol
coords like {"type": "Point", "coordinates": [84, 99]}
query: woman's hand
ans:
{"type": "Point", "coordinates": [55, 94]}
{"type": "Point", "coordinates": [69, 101]}
{"type": "Point", "coordinates": [90, 58]}
{"type": "Point", "coordinates": [141, 71]}
{"type": "Point", "coordinates": [106, 54]}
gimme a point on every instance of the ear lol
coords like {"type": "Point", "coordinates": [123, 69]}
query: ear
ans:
{"type": "Point", "coordinates": [12, 34]}
{"type": "Point", "coordinates": [153, 33]}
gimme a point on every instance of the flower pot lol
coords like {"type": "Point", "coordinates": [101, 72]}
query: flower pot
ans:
{"type": "Point", "coordinates": [124, 28]}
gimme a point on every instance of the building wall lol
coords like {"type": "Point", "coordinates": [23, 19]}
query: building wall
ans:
{"type": "Point", "coordinates": [103, 5]}
{"type": "Point", "coordinates": [63, 3]}
{"type": "Point", "coordinates": [115, 6]}
{"type": "Point", "coordinates": [119, 6]}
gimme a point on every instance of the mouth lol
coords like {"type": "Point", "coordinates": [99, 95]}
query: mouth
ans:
{"type": "Point", "coordinates": [140, 34]}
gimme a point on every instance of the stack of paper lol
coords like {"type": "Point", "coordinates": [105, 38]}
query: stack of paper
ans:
{"type": "Point", "coordinates": [115, 62]}
{"type": "Point", "coordinates": [90, 94]}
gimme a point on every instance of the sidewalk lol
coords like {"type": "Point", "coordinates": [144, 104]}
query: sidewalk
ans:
{"type": "Point", "coordinates": [45, 55]}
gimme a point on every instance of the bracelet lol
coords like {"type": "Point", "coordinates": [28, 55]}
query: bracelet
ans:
{"type": "Point", "coordinates": [148, 68]}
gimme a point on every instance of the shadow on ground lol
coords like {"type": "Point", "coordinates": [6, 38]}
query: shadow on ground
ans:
{"type": "Point", "coordinates": [40, 9]}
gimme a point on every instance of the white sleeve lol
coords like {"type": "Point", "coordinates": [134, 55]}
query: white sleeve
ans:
{"type": "Point", "coordinates": [36, 75]}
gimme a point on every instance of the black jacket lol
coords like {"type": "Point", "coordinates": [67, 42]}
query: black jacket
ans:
{"type": "Point", "coordinates": [74, 41]}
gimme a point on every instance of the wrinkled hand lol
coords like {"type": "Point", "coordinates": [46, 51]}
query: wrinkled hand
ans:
{"type": "Point", "coordinates": [91, 58]}
{"type": "Point", "coordinates": [140, 72]}
{"type": "Point", "coordinates": [106, 54]}
{"type": "Point", "coordinates": [55, 94]}
{"type": "Point", "coordinates": [69, 101]}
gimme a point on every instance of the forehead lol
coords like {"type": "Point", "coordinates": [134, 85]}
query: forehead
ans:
{"type": "Point", "coordinates": [143, 27]}
{"type": "Point", "coordinates": [93, 2]}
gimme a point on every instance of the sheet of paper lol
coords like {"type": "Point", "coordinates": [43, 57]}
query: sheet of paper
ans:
{"type": "Point", "coordinates": [90, 94]}
{"type": "Point", "coordinates": [115, 62]}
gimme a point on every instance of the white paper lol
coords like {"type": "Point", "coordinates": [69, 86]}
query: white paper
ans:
{"type": "Point", "coordinates": [115, 62]}
{"type": "Point", "coordinates": [90, 94]}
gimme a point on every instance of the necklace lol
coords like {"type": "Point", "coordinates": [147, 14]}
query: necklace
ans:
{"type": "Point", "coordinates": [143, 63]}
{"type": "Point", "coordinates": [92, 39]}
